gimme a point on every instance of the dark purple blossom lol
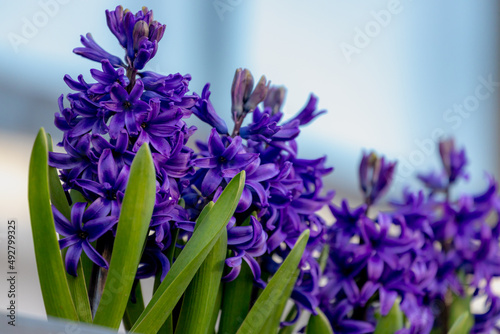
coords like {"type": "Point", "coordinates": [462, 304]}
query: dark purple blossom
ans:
{"type": "Point", "coordinates": [85, 227]}
{"type": "Point", "coordinates": [221, 157]}
{"type": "Point", "coordinates": [107, 78]}
{"type": "Point", "coordinates": [93, 51]}
{"type": "Point", "coordinates": [127, 106]}
{"type": "Point", "coordinates": [453, 161]}
{"type": "Point", "coordinates": [205, 111]}
{"type": "Point", "coordinates": [375, 175]}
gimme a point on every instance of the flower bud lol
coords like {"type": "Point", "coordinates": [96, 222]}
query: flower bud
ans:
{"type": "Point", "coordinates": [275, 98]}
{"type": "Point", "coordinates": [258, 95]}
{"type": "Point", "coordinates": [240, 91]}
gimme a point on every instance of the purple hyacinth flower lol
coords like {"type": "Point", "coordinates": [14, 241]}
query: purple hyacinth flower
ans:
{"type": "Point", "coordinates": [92, 117]}
{"type": "Point", "coordinates": [171, 88]}
{"type": "Point", "coordinates": [79, 86]}
{"type": "Point", "coordinates": [263, 127]}
{"type": "Point", "coordinates": [86, 226]}
{"type": "Point", "coordinates": [111, 184]}
{"type": "Point", "coordinates": [342, 324]}
{"type": "Point", "coordinates": [152, 260]}
{"type": "Point", "coordinates": [256, 175]}
{"type": "Point", "coordinates": [161, 130]}
{"type": "Point", "coordinates": [453, 161]}
{"type": "Point", "coordinates": [138, 34]}
{"type": "Point", "coordinates": [346, 218]}
{"type": "Point", "coordinates": [375, 176]}
{"type": "Point", "coordinates": [221, 158]}
{"type": "Point", "coordinates": [91, 50]}
{"type": "Point", "coordinates": [127, 107]}
{"type": "Point", "coordinates": [107, 78]}
{"type": "Point", "coordinates": [79, 159]}
{"type": "Point", "coordinates": [65, 119]}
{"type": "Point", "coordinates": [206, 112]}
{"type": "Point", "coordinates": [246, 242]}
{"type": "Point", "coordinates": [119, 148]}
{"type": "Point", "coordinates": [309, 113]}
{"type": "Point", "coordinates": [434, 181]}
{"type": "Point", "coordinates": [385, 249]}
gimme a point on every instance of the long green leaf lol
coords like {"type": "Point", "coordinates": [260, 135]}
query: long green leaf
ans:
{"type": "Point", "coordinates": [51, 272]}
{"type": "Point", "coordinates": [273, 322]}
{"type": "Point", "coordinates": [270, 298]}
{"type": "Point", "coordinates": [77, 285]}
{"type": "Point", "coordinates": [236, 300]}
{"type": "Point", "coordinates": [132, 229]}
{"type": "Point", "coordinates": [458, 306]}
{"type": "Point", "coordinates": [392, 322]}
{"type": "Point", "coordinates": [190, 259]}
{"type": "Point", "coordinates": [200, 297]}
{"type": "Point", "coordinates": [215, 311]}
{"type": "Point", "coordinates": [134, 310]}
{"type": "Point", "coordinates": [319, 324]}
{"type": "Point", "coordinates": [463, 324]}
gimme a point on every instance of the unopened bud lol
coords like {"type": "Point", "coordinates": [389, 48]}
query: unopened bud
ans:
{"type": "Point", "coordinates": [240, 91]}
{"type": "Point", "coordinates": [141, 29]}
{"type": "Point", "coordinates": [258, 95]}
{"type": "Point", "coordinates": [275, 98]}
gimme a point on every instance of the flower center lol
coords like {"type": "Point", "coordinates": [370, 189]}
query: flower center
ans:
{"type": "Point", "coordinates": [222, 159]}
{"type": "Point", "coordinates": [83, 235]}
{"type": "Point", "coordinates": [127, 105]}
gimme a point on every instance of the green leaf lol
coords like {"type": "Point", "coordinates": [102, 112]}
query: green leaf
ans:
{"type": "Point", "coordinates": [57, 194]}
{"type": "Point", "coordinates": [274, 320]}
{"type": "Point", "coordinates": [132, 229]}
{"type": "Point", "coordinates": [133, 310]}
{"type": "Point", "coordinates": [319, 324]}
{"type": "Point", "coordinates": [458, 306]}
{"type": "Point", "coordinates": [51, 272]}
{"type": "Point", "coordinates": [190, 259]}
{"type": "Point", "coordinates": [236, 299]}
{"type": "Point", "coordinates": [168, 325]}
{"type": "Point", "coordinates": [215, 311]}
{"type": "Point", "coordinates": [77, 285]}
{"type": "Point", "coordinates": [200, 297]}
{"type": "Point", "coordinates": [392, 322]}
{"type": "Point", "coordinates": [463, 324]}
{"type": "Point", "coordinates": [323, 258]}
{"type": "Point", "coordinates": [272, 295]}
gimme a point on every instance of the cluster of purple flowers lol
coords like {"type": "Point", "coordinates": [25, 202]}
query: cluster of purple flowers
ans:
{"type": "Point", "coordinates": [107, 121]}
{"type": "Point", "coordinates": [429, 250]}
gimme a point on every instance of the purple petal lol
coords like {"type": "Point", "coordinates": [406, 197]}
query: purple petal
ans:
{"type": "Point", "coordinates": [375, 267]}
{"type": "Point", "coordinates": [211, 181]}
{"type": "Point", "coordinates": [63, 226]}
{"type": "Point", "coordinates": [97, 227]}
{"type": "Point", "coordinates": [94, 255]}
{"type": "Point", "coordinates": [387, 299]}
{"type": "Point", "coordinates": [77, 215]}
{"type": "Point", "coordinates": [107, 170]}
{"type": "Point", "coordinates": [72, 257]}
{"type": "Point", "coordinates": [66, 242]}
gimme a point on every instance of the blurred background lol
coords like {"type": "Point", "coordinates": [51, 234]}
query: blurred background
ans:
{"type": "Point", "coordinates": [395, 76]}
